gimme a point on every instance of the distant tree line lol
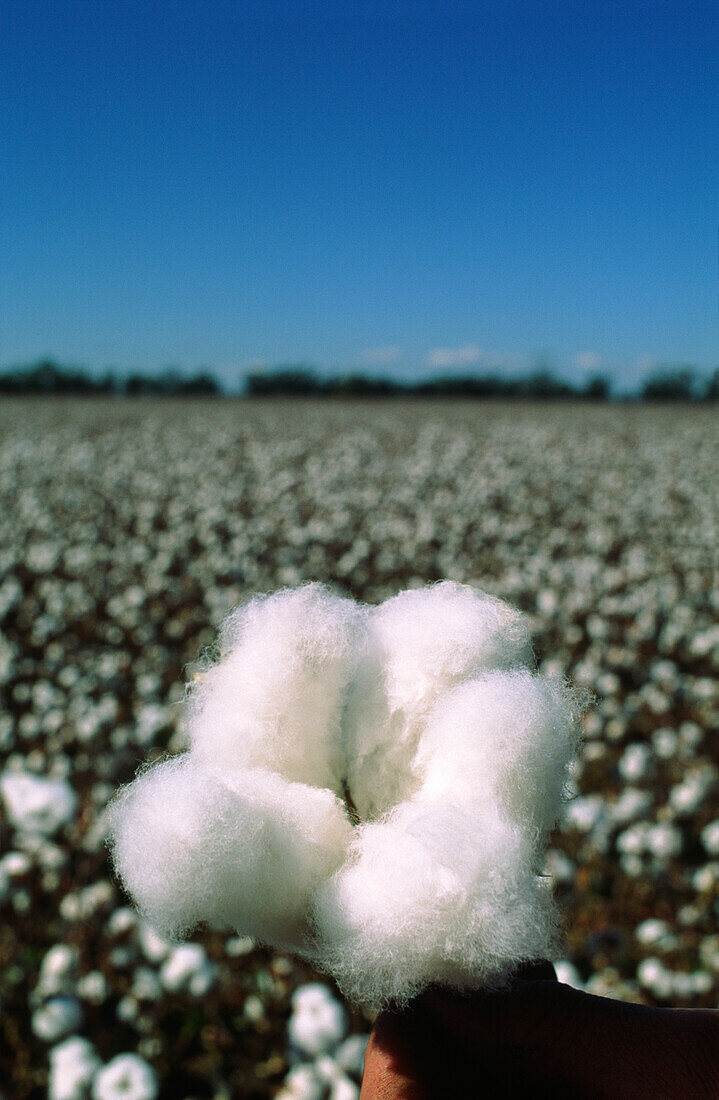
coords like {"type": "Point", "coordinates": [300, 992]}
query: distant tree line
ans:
{"type": "Point", "coordinates": [47, 377]}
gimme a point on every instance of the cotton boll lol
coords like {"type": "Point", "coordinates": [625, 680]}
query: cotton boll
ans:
{"type": "Point", "coordinates": [35, 805]}
{"type": "Point", "coordinates": [507, 738]}
{"type": "Point", "coordinates": [188, 970]}
{"type": "Point", "coordinates": [419, 645]}
{"type": "Point", "coordinates": [56, 1018]}
{"type": "Point", "coordinates": [241, 851]}
{"type": "Point", "coordinates": [154, 947]}
{"type": "Point", "coordinates": [303, 1083]}
{"type": "Point", "coordinates": [452, 756]}
{"type": "Point", "coordinates": [710, 837]}
{"type": "Point", "coordinates": [350, 1054]}
{"type": "Point", "coordinates": [342, 1088]}
{"type": "Point", "coordinates": [636, 762]}
{"type": "Point", "coordinates": [568, 974]}
{"type": "Point", "coordinates": [126, 1077]}
{"type": "Point", "coordinates": [318, 1021]}
{"type": "Point", "coordinates": [275, 698]}
{"type": "Point", "coordinates": [57, 969]}
{"type": "Point", "coordinates": [431, 893]}
{"type": "Point", "coordinates": [73, 1064]}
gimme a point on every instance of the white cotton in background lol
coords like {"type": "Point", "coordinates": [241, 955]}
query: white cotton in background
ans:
{"type": "Point", "coordinates": [126, 1077]}
{"type": "Point", "coordinates": [585, 813]}
{"type": "Point", "coordinates": [568, 974]}
{"type": "Point", "coordinates": [318, 1021]}
{"type": "Point", "coordinates": [35, 805]}
{"type": "Point", "coordinates": [57, 970]}
{"type": "Point", "coordinates": [655, 932]}
{"type": "Point", "coordinates": [369, 787]}
{"type": "Point", "coordinates": [15, 864]}
{"type": "Point", "coordinates": [631, 804]}
{"type": "Point", "coordinates": [188, 970]}
{"type": "Point", "coordinates": [275, 697]}
{"type": "Point", "coordinates": [636, 762]}
{"type": "Point", "coordinates": [303, 1083]}
{"type": "Point", "coordinates": [56, 1018]}
{"type": "Point", "coordinates": [709, 837]}
{"type": "Point", "coordinates": [241, 850]}
{"type": "Point", "coordinates": [73, 1064]}
{"type": "Point", "coordinates": [344, 1089]}
{"type": "Point", "coordinates": [154, 947]}
{"type": "Point", "coordinates": [350, 1054]}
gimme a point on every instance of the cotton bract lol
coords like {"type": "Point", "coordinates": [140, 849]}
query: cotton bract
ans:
{"type": "Point", "coordinates": [371, 787]}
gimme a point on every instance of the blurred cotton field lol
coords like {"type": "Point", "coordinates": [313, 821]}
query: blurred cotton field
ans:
{"type": "Point", "coordinates": [129, 530]}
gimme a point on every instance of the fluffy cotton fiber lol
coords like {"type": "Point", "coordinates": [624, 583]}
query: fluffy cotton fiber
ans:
{"type": "Point", "coordinates": [370, 787]}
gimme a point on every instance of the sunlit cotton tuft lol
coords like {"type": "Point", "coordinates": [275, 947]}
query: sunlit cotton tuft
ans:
{"type": "Point", "coordinates": [371, 787]}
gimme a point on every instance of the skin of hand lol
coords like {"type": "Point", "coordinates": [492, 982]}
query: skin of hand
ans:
{"type": "Point", "coordinates": [540, 1038]}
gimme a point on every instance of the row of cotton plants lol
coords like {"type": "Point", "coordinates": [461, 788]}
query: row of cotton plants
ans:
{"type": "Point", "coordinates": [128, 531]}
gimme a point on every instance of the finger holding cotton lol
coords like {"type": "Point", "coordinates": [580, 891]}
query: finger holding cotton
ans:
{"type": "Point", "coordinates": [240, 851]}
{"type": "Point", "coordinates": [275, 698]}
{"type": "Point", "coordinates": [506, 739]}
{"type": "Point", "coordinates": [419, 645]}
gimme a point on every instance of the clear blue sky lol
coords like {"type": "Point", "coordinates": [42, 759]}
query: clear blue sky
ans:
{"type": "Point", "coordinates": [395, 186]}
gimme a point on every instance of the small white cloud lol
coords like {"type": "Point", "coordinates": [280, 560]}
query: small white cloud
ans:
{"type": "Point", "coordinates": [587, 360]}
{"type": "Point", "coordinates": [645, 364]}
{"type": "Point", "coordinates": [464, 356]}
{"type": "Point", "coordinates": [382, 355]}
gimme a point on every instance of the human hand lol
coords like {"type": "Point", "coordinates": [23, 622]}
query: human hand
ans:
{"type": "Point", "coordinates": [540, 1038]}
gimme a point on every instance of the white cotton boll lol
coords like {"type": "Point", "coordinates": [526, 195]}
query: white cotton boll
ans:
{"type": "Point", "coordinates": [275, 698]}
{"type": "Point", "coordinates": [635, 762]}
{"type": "Point", "coordinates": [242, 851]}
{"type": "Point", "coordinates": [452, 756]}
{"type": "Point", "coordinates": [15, 864]}
{"type": "Point", "coordinates": [303, 1083]}
{"type": "Point", "coordinates": [92, 987]}
{"type": "Point", "coordinates": [126, 1077]}
{"type": "Point", "coordinates": [652, 931]}
{"type": "Point", "coordinates": [631, 804]}
{"type": "Point", "coordinates": [237, 946]}
{"type": "Point", "coordinates": [154, 947]}
{"type": "Point", "coordinates": [188, 970]}
{"type": "Point", "coordinates": [559, 866]}
{"type": "Point", "coordinates": [145, 985]}
{"type": "Point", "coordinates": [689, 796]}
{"type": "Point", "coordinates": [432, 894]}
{"type": "Point", "coordinates": [122, 920]}
{"type": "Point", "coordinates": [56, 1018]}
{"type": "Point", "coordinates": [73, 1064]}
{"type": "Point", "coordinates": [35, 805]}
{"type": "Point", "coordinates": [653, 975]}
{"type": "Point", "coordinates": [585, 813]}
{"type": "Point", "coordinates": [568, 974]}
{"type": "Point", "coordinates": [664, 841]}
{"type": "Point", "coordinates": [350, 1054]}
{"type": "Point", "coordinates": [318, 1021]}
{"type": "Point", "coordinates": [253, 1008]}
{"type": "Point", "coordinates": [709, 837]}
{"type": "Point", "coordinates": [57, 969]}
{"type": "Point", "coordinates": [420, 644]}
{"type": "Point", "coordinates": [506, 739]}
{"type": "Point", "coordinates": [343, 1089]}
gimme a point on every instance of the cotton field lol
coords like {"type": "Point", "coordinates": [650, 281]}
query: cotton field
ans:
{"type": "Point", "coordinates": [129, 530]}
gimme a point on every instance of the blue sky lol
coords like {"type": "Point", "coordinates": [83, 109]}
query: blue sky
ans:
{"type": "Point", "coordinates": [403, 187]}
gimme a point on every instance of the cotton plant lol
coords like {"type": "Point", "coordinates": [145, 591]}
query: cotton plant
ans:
{"type": "Point", "coordinates": [371, 788]}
